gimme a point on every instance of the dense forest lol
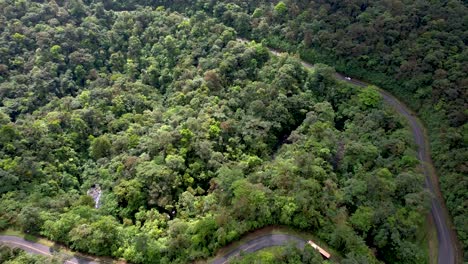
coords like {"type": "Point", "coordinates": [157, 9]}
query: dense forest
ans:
{"type": "Point", "coordinates": [194, 137]}
{"type": "Point", "coordinates": [416, 49]}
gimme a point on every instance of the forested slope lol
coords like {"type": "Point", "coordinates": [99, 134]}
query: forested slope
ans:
{"type": "Point", "coordinates": [415, 49]}
{"type": "Point", "coordinates": [194, 138]}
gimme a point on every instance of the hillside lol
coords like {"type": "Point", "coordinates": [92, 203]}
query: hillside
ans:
{"type": "Point", "coordinates": [415, 49]}
{"type": "Point", "coordinates": [195, 138]}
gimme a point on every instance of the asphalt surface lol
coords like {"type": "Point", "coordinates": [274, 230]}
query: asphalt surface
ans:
{"type": "Point", "coordinates": [447, 240]}
{"type": "Point", "coordinates": [36, 248]}
{"type": "Point", "coordinates": [260, 243]}
{"type": "Point", "coordinates": [446, 237]}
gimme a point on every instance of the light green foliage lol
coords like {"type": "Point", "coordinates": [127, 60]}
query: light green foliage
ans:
{"type": "Point", "coordinates": [281, 8]}
{"type": "Point", "coordinates": [258, 13]}
{"type": "Point", "coordinates": [130, 196]}
{"type": "Point", "coordinates": [401, 59]}
{"type": "Point", "coordinates": [18, 37]}
{"type": "Point", "coordinates": [55, 51]}
{"type": "Point", "coordinates": [194, 137]}
{"type": "Point", "coordinates": [362, 218]}
{"type": "Point", "coordinates": [214, 130]}
{"type": "Point", "coordinates": [175, 162]}
{"type": "Point", "coordinates": [369, 97]}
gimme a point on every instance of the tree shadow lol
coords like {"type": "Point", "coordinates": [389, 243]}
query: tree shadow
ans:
{"type": "Point", "coordinates": [55, 248]}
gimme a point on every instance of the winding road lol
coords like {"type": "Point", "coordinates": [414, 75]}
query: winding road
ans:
{"type": "Point", "coordinates": [446, 237]}
{"type": "Point", "coordinates": [260, 243]}
{"type": "Point", "coordinates": [447, 240]}
{"type": "Point", "coordinates": [36, 248]}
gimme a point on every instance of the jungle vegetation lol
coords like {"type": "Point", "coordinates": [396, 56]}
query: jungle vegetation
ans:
{"type": "Point", "coordinates": [415, 49]}
{"type": "Point", "coordinates": [196, 138]}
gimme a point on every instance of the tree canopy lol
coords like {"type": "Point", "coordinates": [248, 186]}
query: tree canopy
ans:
{"type": "Point", "coordinates": [194, 137]}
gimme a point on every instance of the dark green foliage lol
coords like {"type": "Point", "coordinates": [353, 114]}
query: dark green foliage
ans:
{"type": "Point", "coordinates": [194, 137]}
{"type": "Point", "coordinates": [415, 49]}
{"type": "Point", "coordinates": [29, 220]}
{"type": "Point", "coordinates": [100, 147]}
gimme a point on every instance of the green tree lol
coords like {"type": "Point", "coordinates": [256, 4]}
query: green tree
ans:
{"type": "Point", "coordinates": [9, 181]}
{"type": "Point", "coordinates": [369, 97]}
{"type": "Point", "coordinates": [362, 219]}
{"type": "Point", "coordinates": [281, 8]}
{"type": "Point", "coordinates": [29, 219]}
{"type": "Point", "coordinates": [100, 147]}
{"type": "Point", "coordinates": [130, 196]}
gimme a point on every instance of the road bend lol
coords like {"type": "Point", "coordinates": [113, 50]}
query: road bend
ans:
{"type": "Point", "coordinates": [448, 244]}
{"type": "Point", "coordinates": [447, 239]}
{"type": "Point", "coordinates": [36, 248]}
{"type": "Point", "coordinates": [447, 251]}
{"type": "Point", "coordinates": [259, 243]}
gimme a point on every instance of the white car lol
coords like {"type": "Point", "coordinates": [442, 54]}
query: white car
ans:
{"type": "Point", "coordinates": [347, 78]}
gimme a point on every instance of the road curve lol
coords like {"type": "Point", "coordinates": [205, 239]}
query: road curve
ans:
{"type": "Point", "coordinates": [447, 251]}
{"type": "Point", "coordinates": [260, 243]}
{"type": "Point", "coordinates": [447, 239]}
{"type": "Point", "coordinates": [36, 248]}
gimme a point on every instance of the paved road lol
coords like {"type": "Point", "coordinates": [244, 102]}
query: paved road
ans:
{"type": "Point", "coordinates": [447, 253]}
{"type": "Point", "coordinates": [37, 248]}
{"type": "Point", "coordinates": [260, 243]}
{"type": "Point", "coordinates": [446, 237]}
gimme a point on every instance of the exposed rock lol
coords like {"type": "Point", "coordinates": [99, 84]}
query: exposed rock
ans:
{"type": "Point", "coordinates": [95, 193]}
